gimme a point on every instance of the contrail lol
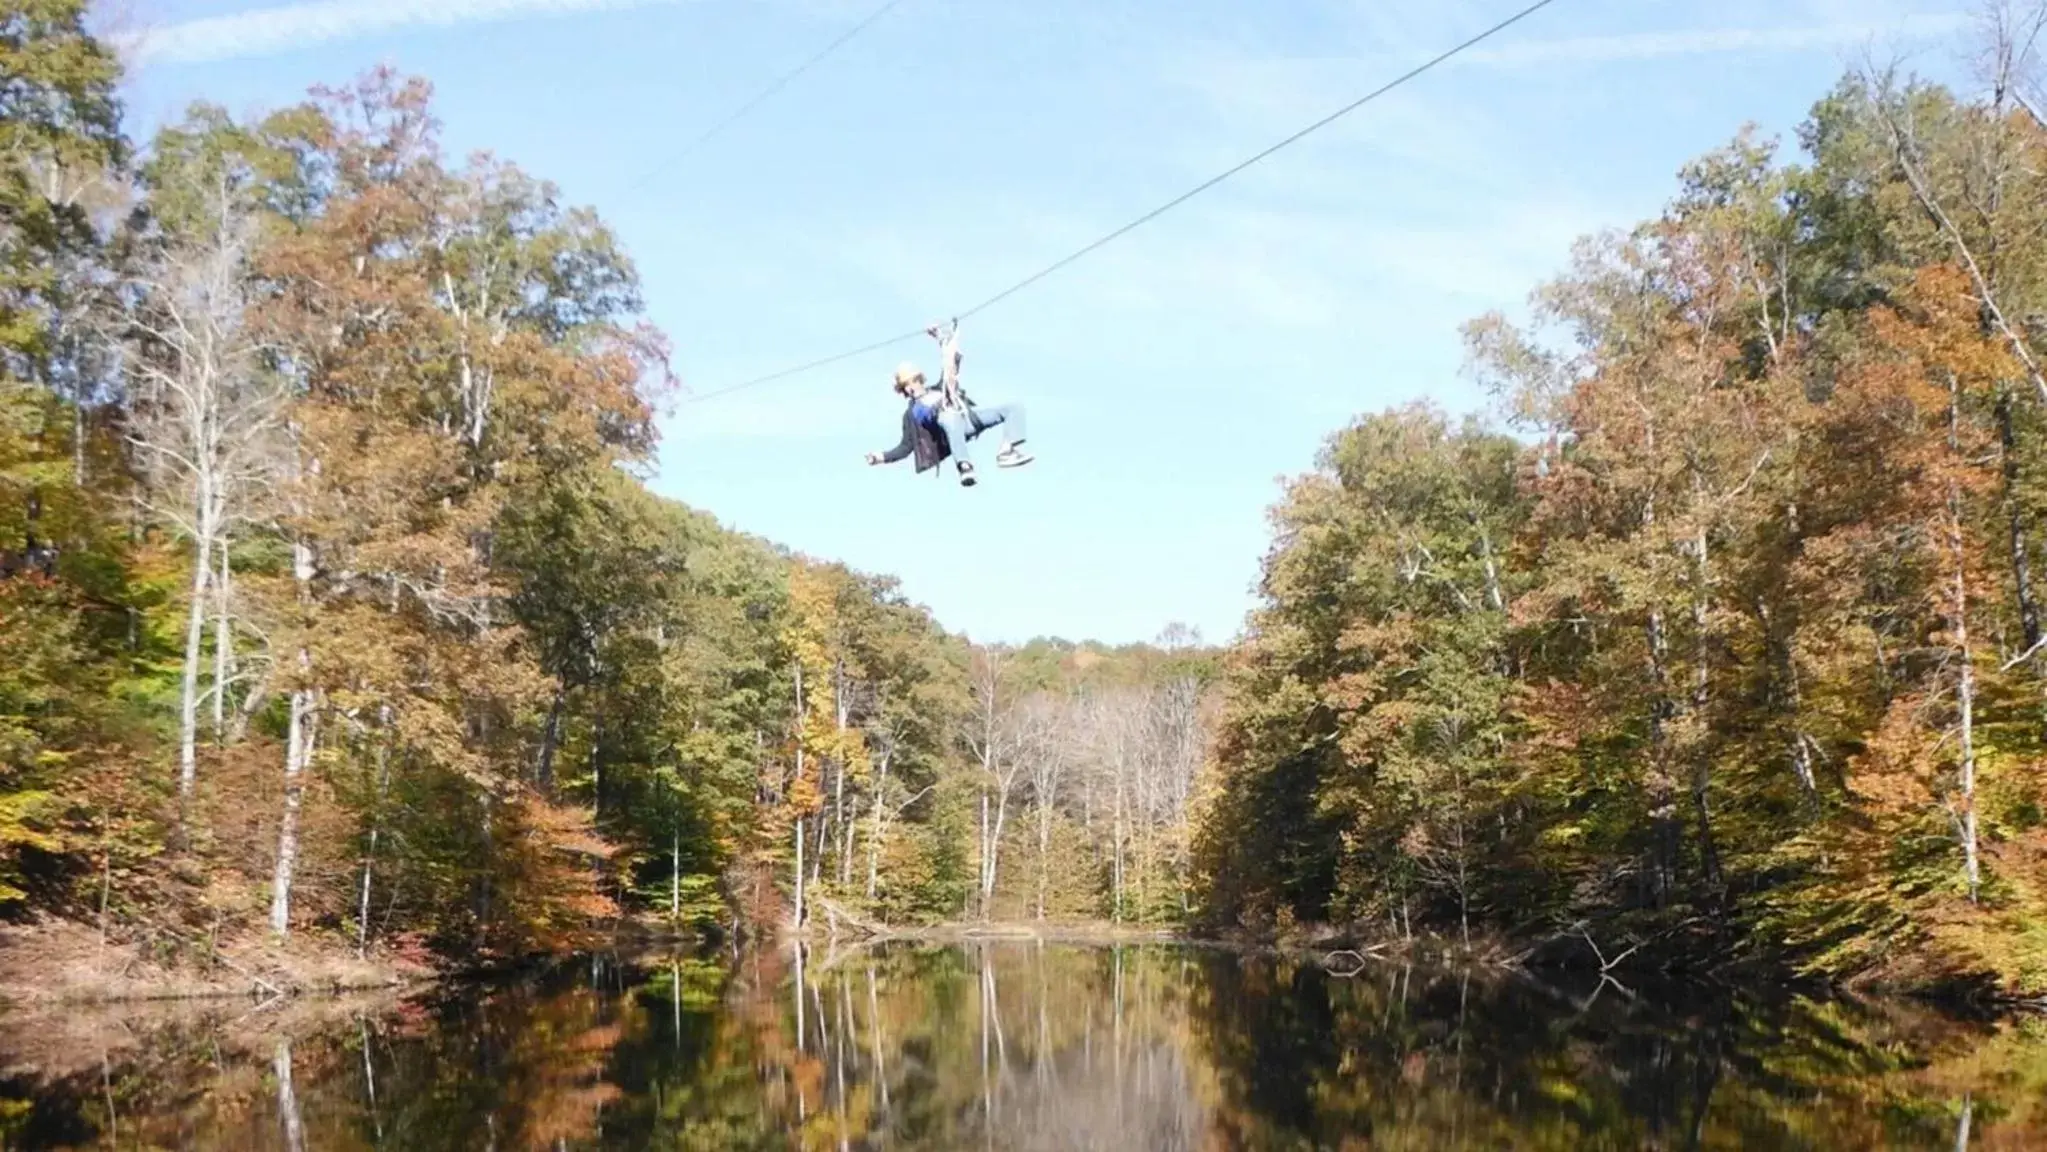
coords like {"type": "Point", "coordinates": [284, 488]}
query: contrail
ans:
{"type": "Point", "coordinates": [1701, 42]}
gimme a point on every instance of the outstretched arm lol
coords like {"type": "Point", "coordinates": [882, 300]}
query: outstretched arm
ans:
{"type": "Point", "coordinates": [896, 453]}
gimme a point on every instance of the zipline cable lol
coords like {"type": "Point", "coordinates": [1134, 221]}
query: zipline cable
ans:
{"type": "Point", "coordinates": [1148, 217]}
{"type": "Point", "coordinates": [767, 93]}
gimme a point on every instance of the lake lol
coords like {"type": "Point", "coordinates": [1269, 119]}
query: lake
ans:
{"type": "Point", "coordinates": [1021, 1045]}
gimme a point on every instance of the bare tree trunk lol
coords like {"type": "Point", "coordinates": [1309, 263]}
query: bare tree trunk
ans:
{"type": "Point", "coordinates": [369, 860]}
{"type": "Point", "coordinates": [2021, 567]}
{"type": "Point", "coordinates": [223, 643]}
{"type": "Point", "coordinates": [994, 845]}
{"type": "Point", "coordinates": [851, 830]}
{"type": "Point", "coordinates": [1801, 743]}
{"type": "Point", "coordinates": [1662, 787]}
{"type": "Point", "coordinates": [988, 692]}
{"type": "Point", "coordinates": [362, 915]}
{"type": "Point", "coordinates": [1494, 596]}
{"type": "Point", "coordinates": [799, 872]}
{"type": "Point", "coordinates": [824, 821]}
{"type": "Point", "coordinates": [874, 832]}
{"type": "Point", "coordinates": [840, 710]}
{"type": "Point", "coordinates": [1116, 874]}
{"type": "Point", "coordinates": [253, 702]}
{"type": "Point", "coordinates": [1662, 802]}
{"type": "Point", "coordinates": [195, 632]}
{"type": "Point", "coordinates": [77, 433]}
{"type": "Point", "coordinates": [1049, 748]}
{"type": "Point", "coordinates": [1702, 762]}
{"type": "Point", "coordinates": [1965, 688]}
{"type": "Point", "coordinates": [298, 751]}
{"type": "Point", "coordinates": [1044, 850]}
{"type": "Point", "coordinates": [799, 819]}
{"type": "Point", "coordinates": [1965, 694]}
{"type": "Point", "coordinates": [596, 761]}
{"type": "Point", "coordinates": [486, 888]}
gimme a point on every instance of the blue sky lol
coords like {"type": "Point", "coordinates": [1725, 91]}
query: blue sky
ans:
{"type": "Point", "coordinates": [1174, 378]}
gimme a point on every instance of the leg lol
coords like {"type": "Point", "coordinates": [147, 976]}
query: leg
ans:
{"type": "Point", "coordinates": [1010, 417]}
{"type": "Point", "coordinates": [958, 430]}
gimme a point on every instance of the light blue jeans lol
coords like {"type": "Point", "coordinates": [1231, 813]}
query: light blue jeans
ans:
{"type": "Point", "coordinates": [961, 427]}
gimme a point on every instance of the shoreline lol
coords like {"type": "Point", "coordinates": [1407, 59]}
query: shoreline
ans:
{"type": "Point", "coordinates": [1345, 954]}
{"type": "Point", "coordinates": [56, 963]}
{"type": "Point", "coordinates": [53, 963]}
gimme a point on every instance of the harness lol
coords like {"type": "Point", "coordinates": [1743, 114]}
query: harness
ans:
{"type": "Point", "coordinates": [951, 396]}
{"type": "Point", "coordinates": [949, 357]}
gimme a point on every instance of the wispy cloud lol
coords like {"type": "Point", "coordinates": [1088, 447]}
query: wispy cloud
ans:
{"type": "Point", "coordinates": [1712, 41]}
{"type": "Point", "coordinates": [1279, 79]}
{"type": "Point", "coordinates": [265, 31]}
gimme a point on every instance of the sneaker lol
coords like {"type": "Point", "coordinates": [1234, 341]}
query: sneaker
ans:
{"type": "Point", "coordinates": [1013, 457]}
{"type": "Point", "coordinates": [966, 474]}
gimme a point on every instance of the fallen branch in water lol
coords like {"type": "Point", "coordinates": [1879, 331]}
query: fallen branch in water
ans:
{"type": "Point", "coordinates": [1358, 957]}
{"type": "Point", "coordinates": [214, 955]}
{"type": "Point", "coordinates": [836, 913]}
{"type": "Point", "coordinates": [1606, 965]}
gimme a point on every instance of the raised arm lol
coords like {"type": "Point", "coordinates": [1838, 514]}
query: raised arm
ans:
{"type": "Point", "coordinates": [948, 357]}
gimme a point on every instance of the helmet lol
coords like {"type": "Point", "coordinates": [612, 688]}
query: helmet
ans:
{"type": "Point", "coordinates": [905, 373]}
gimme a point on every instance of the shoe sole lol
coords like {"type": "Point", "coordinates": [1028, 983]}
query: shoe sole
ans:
{"type": "Point", "coordinates": [1016, 463]}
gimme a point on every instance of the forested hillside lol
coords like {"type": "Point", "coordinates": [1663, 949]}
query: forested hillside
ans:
{"type": "Point", "coordinates": [335, 608]}
{"type": "Point", "coordinates": [1728, 642]}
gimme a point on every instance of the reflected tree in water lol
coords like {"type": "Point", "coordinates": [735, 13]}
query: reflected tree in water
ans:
{"type": "Point", "coordinates": [1027, 1046]}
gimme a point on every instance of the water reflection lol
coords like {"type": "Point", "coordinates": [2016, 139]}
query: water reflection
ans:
{"type": "Point", "coordinates": [1022, 1046]}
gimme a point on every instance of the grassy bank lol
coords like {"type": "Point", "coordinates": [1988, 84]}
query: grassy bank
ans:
{"type": "Point", "coordinates": [56, 962]}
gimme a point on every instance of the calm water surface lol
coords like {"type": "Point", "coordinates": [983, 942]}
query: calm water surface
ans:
{"type": "Point", "coordinates": [1022, 1046]}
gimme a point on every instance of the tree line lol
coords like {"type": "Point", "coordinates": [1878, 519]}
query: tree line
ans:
{"type": "Point", "coordinates": [336, 608]}
{"type": "Point", "coordinates": [1723, 639]}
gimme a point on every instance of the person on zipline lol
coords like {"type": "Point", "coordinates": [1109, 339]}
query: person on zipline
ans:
{"type": "Point", "coordinates": [938, 422]}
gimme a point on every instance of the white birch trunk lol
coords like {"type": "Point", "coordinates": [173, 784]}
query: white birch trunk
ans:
{"type": "Point", "coordinates": [223, 643]}
{"type": "Point", "coordinates": [799, 872]}
{"type": "Point", "coordinates": [874, 832]}
{"type": "Point", "coordinates": [298, 754]}
{"type": "Point", "coordinates": [298, 751]}
{"type": "Point", "coordinates": [195, 632]}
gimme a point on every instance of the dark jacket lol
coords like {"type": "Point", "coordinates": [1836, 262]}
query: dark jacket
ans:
{"type": "Point", "coordinates": [927, 442]}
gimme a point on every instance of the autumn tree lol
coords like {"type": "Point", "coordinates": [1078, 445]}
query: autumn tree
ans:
{"type": "Point", "coordinates": [207, 410]}
{"type": "Point", "coordinates": [1733, 651]}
